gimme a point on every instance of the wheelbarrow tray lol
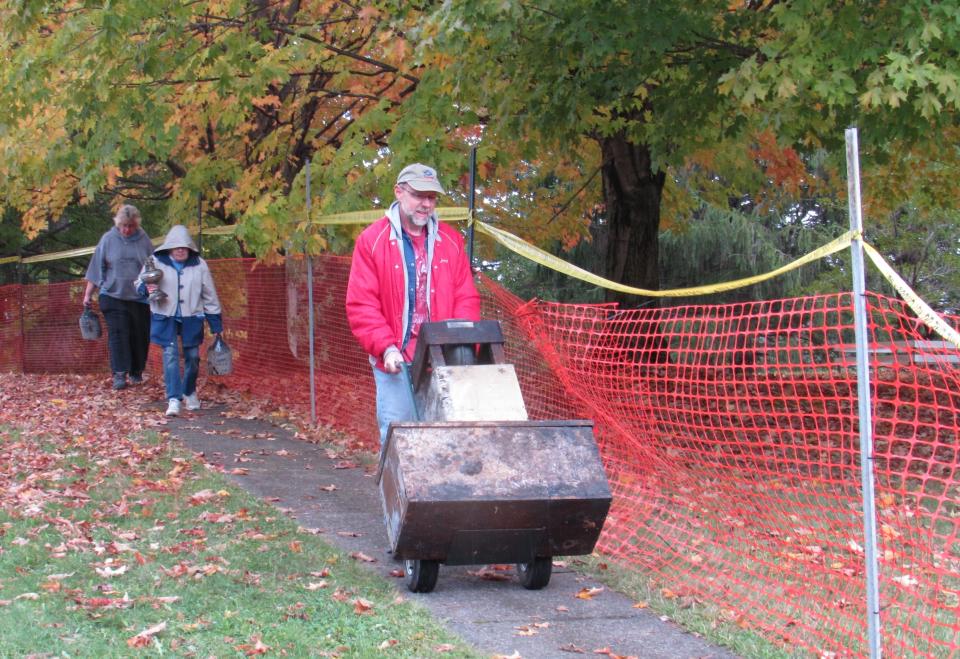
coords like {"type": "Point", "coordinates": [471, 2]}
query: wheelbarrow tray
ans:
{"type": "Point", "coordinates": [479, 492]}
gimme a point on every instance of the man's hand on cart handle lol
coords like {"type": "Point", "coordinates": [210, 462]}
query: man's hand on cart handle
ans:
{"type": "Point", "coordinates": [392, 360]}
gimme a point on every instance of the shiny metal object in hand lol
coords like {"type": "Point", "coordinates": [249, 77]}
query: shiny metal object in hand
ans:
{"type": "Point", "coordinates": [152, 275]}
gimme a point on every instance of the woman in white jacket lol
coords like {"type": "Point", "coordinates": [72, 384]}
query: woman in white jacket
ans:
{"type": "Point", "coordinates": [177, 319]}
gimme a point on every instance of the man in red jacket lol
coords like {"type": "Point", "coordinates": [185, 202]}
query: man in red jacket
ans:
{"type": "Point", "coordinates": [408, 268]}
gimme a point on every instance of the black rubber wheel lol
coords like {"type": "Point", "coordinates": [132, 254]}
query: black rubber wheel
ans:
{"type": "Point", "coordinates": [535, 575]}
{"type": "Point", "coordinates": [459, 355]}
{"type": "Point", "coordinates": [421, 575]}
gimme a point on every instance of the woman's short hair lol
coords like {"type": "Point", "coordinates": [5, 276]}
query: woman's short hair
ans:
{"type": "Point", "coordinates": [127, 213]}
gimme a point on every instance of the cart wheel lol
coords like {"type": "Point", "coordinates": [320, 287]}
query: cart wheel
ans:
{"type": "Point", "coordinates": [535, 575]}
{"type": "Point", "coordinates": [459, 355]}
{"type": "Point", "coordinates": [421, 575]}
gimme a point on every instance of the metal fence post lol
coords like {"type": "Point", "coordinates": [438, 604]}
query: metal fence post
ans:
{"type": "Point", "coordinates": [473, 200]}
{"type": "Point", "coordinates": [310, 332]}
{"type": "Point", "coordinates": [863, 395]}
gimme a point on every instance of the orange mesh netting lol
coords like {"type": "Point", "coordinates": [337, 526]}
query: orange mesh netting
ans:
{"type": "Point", "coordinates": [729, 434]}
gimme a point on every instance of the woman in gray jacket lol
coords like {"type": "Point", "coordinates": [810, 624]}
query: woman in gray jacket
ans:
{"type": "Point", "coordinates": [177, 318]}
{"type": "Point", "coordinates": [116, 261]}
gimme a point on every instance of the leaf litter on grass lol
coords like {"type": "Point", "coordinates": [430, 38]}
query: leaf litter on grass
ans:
{"type": "Point", "coordinates": [111, 537]}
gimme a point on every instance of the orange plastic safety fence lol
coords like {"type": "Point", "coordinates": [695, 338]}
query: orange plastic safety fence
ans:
{"type": "Point", "coordinates": [731, 439]}
{"type": "Point", "coordinates": [730, 435]}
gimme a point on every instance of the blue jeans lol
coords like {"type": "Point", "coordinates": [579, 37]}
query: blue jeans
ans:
{"type": "Point", "coordinates": [394, 400]}
{"type": "Point", "coordinates": [179, 386]}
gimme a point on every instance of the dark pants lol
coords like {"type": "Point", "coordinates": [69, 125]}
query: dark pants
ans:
{"type": "Point", "coordinates": [128, 334]}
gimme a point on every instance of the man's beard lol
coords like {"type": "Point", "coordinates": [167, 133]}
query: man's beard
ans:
{"type": "Point", "coordinates": [417, 222]}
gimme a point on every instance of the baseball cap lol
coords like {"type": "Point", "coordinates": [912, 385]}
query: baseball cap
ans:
{"type": "Point", "coordinates": [421, 178]}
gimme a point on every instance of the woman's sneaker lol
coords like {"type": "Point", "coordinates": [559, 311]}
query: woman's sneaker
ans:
{"type": "Point", "coordinates": [173, 408]}
{"type": "Point", "coordinates": [192, 401]}
{"type": "Point", "coordinates": [119, 380]}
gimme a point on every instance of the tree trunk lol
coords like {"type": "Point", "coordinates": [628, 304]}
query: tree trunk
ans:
{"type": "Point", "coordinates": [632, 193]}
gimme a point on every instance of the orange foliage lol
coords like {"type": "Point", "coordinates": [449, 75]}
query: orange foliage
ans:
{"type": "Point", "coordinates": [781, 164]}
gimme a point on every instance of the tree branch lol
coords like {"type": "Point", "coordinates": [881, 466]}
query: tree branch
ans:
{"type": "Point", "coordinates": [574, 196]}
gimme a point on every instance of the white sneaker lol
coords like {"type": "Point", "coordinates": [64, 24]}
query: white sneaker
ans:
{"type": "Point", "coordinates": [173, 409]}
{"type": "Point", "coordinates": [192, 401]}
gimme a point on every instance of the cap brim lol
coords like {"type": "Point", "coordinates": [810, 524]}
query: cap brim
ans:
{"type": "Point", "coordinates": [426, 186]}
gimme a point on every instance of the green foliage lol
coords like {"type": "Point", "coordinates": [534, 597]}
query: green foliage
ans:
{"type": "Point", "coordinates": [167, 101]}
{"type": "Point", "coordinates": [890, 68]}
{"type": "Point", "coordinates": [686, 79]}
{"type": "Point", "coordinates": [77, 226]}
{"type": "Point", "coordinates": [752, 245]}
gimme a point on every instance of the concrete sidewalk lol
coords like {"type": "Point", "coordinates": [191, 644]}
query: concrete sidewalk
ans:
{"type": "Point", "coordinates": [487, 608]}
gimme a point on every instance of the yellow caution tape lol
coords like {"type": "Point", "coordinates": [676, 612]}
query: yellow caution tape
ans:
{"type": "Point", "coordinates": [70, 253]}
{"type": "Point", "coordinates": [225, 230]}
{"type": "Point", "coordinates": [921, 308]}
{"type": "Point", "coordinates": [445, 213]}
{"type": "Point", "coordinates": [537, 255]}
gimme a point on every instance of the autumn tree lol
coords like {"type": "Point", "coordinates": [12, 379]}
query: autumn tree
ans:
{"type": "Point", "coordinates": [222, 100]}
{"type": "Point", "coordinates": [651, 83]}
{"type": "Point", "coordinates": [583, 111]}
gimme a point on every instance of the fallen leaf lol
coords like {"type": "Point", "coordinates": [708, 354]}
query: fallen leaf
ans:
{"type": "Point", "coordinates": [108, 571]}
{"type": "Point", "coordinates": [256, 647]}
{"type": "Point", "coordinates": [200, 497]}
{"type": "Point", "coordinates": [906, 580]}
{"type": "Point", "coordinates": [889, 532]}
{"type": "Point", "coordinates": [57, 577]}
{"type": "Point", "coordinates": [362, 606]}
{"type": "Point", "coordinates": [360, 556]}
{"type": "Point", "coordinates": [531, 629]}
{"type": "Point", "coordinates": [613, 655]}
{"type": "Point", "coordinates": [589, 593]}
{"type": "Point", "coordinates": [143, 638]}
{"type": "Point", "coordinates": [489, 574]}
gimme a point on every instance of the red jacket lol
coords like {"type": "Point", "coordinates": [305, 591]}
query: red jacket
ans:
{"type": "Point", "coordinates": [376, 292]}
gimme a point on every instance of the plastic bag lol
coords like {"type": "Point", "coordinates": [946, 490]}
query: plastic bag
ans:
{"type": "Point", "coordinates": [90, 324]}
{"type": "Point", "coordinates": [219, 358]}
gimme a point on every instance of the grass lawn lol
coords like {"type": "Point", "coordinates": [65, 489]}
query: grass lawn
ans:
{"type": "Point", "coordinates": [111, 547]}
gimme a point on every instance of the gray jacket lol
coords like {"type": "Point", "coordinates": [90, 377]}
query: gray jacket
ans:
{"type": "Point", "coordinates": [116, 264]}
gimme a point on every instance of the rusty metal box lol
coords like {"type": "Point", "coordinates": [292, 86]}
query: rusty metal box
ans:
{"type": "Point", "coordinates": [477, 492]}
